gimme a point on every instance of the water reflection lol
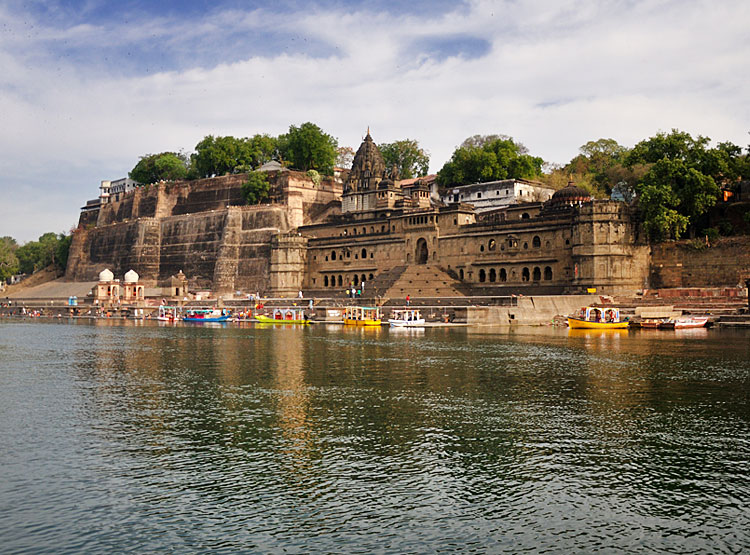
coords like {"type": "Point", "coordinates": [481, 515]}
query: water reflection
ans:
{"type": "Point", "coordinates": [325, 438]}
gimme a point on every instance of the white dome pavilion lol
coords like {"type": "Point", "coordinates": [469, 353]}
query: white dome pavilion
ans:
{"type": "Point", "coordinates": [131, 277]}
{"type": "Point", "coordinates": [106, 275]}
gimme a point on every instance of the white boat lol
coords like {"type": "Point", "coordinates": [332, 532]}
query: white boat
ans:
{"type": "Point", "coordinates": [406, 318]}
{"type": "Point", "coordinates": [168, 313]}
{"type": "Point", "coordinates": [685, 322]}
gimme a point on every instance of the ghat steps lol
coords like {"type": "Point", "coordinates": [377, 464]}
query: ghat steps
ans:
{"type": "Point", "coordinates": [417, 281]}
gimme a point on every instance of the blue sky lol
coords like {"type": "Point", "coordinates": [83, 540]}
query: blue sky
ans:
{"type": "Point", "coordinates": [87, 87]}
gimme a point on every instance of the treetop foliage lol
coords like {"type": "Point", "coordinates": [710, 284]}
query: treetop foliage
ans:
{"type": "Point", "coordinates": [406, 157]}
{"type": "Point", "coordinates": [492, 159]}
{"type": "Point", "coordinates": [50, 248]}
{"type": "Point", "coordinates": [226, 155]}
{"type": "Point", "coordinates": [167, 166]}
{"type": "Point", "coordinates": [308, 147]}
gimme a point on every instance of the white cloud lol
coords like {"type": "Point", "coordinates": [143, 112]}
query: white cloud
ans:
{"type": "Point", "coordinates": [556, 75]}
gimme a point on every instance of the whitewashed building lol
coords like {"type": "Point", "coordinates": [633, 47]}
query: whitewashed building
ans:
{"type": "Point", "coordinates": [497, 194]}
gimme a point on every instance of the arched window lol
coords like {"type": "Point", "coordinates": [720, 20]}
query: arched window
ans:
{"type": "Point", "coordinates": [525, 275]}
{"type": "Point", "coordinates": [370, 277]}
{"type": "Point", "coordinates": [333, 281]}
{"type": "Point", "coordinates": [525, 216]}
{"type": "Point", "coordinates": [481, 248]}
{"type": "Point", "coordinates": [537, 274]}
{"type": "Point", "coordinates": [537, 242]}
{"type": "Point", "coordinates": [461, 274]}
{"type": "Point", "coordinates": [364, 253]}
{"type": "Point", "coordinates": [525, 246]}
{"type": "Point", "coordinates": [325, 281]}
{"type": "Point", "coordinates": [482, 276]}
{"type": "Point", "coordinates": [503, 275]}
{"type": "Point", "coordinates": [547, 273]}
{"type": "Point", "coordinates": [333, 255]}
{"type": "Point", "coordinates": [493, 275]}
{"type": "Point", "coordinates": [491, 245]}
{"type": "Point", "coordinates": [341, 281]}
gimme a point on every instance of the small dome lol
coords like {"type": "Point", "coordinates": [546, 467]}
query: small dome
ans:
{"type": "Point", "coordinates": [106, 275]}
{"type": "Point", "coordinates": [570, 194]}
{"type": "Point", "coordinates": [131, 277]}
{"type": "Point", "coordinates": [385, 184]}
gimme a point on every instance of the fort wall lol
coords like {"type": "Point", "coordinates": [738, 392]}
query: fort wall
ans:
{"type": "Point", "coordinates": [725, 263]}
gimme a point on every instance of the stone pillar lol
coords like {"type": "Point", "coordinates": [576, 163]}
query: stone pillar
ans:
{"type": "Point", "coordinates": [288, 262]}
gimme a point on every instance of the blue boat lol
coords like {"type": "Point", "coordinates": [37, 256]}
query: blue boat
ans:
{"type": "Point", "coordinates": [205, 315]}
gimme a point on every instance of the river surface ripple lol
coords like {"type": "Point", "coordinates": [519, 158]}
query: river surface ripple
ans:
{"type": "Point", "coordinates": [137, 438]}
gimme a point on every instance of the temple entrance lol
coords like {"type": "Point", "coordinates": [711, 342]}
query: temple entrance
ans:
{"type": "Point", "coordinates": [421, 256]}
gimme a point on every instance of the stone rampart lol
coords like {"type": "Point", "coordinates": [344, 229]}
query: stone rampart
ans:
{"type": "Point", "coordinates": [725, 263]}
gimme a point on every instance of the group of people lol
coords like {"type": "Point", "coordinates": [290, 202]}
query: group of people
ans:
{"type": "Point", "coordinates": [353, 291]}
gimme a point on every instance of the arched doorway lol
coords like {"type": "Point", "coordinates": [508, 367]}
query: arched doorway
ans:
{"type": "Point", "coordinates": [422, 253]}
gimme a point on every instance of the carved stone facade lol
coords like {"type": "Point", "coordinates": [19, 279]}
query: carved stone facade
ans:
{"type": "Point", "coordinates": [320, 238]}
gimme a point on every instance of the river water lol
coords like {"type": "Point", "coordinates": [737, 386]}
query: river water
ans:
{"type": "Point", "coordinates": [126, 437]}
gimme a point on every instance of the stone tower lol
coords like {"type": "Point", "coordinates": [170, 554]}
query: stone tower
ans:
{"type": "Point", "coordinates": [368, 169]}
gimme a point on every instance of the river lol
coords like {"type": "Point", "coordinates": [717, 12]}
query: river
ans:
{"type": "Point", "coordinates": [122, 436]}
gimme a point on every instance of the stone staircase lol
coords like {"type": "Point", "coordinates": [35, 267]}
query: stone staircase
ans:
{"type": "Point", "coordinates": [417, 281]}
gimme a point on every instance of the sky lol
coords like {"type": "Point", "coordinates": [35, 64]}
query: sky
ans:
{"type": "Point", "coordinates": [87, 87]}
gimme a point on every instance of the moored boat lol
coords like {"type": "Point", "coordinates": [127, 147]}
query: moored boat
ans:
{"type": "Point", "coordinates": [685, 322]}
{"type": "Point", "coordinates": [284, 316]}
{"type": "Point", "coordinates": [362, 316]}
{"type": "Point", "coordinates": [406, 318]}
{"type": "Point", "coordinates": [205, 315]}
{"type": "Point", "coordinates": [651, 323]}
{"type": "Point", "coordinates": [168, 313]}
{"type": "Point", "coordinates": [597, 318]}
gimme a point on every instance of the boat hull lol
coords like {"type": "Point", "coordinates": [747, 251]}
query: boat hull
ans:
{"type": "Point", "coordinates": [350, 322]}
{"type": "Point", "coordinates": [406, 323]}
{"type": "Point", "coordinates": [219, 319]}
{"type": "Point", "coordinates": [267, 320]}
{"type": "Point", "coordinates": [685, 324]}
{"type": "Point", "coordinates": [576, 323]}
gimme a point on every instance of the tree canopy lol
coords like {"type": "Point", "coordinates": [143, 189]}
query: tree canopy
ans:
{"type": "Point", "coordinates": [225, 155]}
{"type": "Point", "coordinates": [680, 183]}
{"type": "Point", "coordinates": [406, 157]}
{"type": "Point", "coordinates": [494, 159]}
{"type": "Point", "coordinates": [167, 166]}
{"type": "Point", "coordinates": [256, 188]}
{"type": "Point", "coordinates": [50, 248]}
{"type": "Point", "coordinates": [307, 147]}
{"type": "Point", "coordinates": [9, 265]}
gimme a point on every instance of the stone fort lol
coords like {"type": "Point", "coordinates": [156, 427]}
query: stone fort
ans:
{"type": "Point", "coordinates": [367, 226]}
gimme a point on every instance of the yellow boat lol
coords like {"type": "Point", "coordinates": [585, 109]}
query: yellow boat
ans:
{"type": "Point", "coordinates": [284, 316]}
{"type": "Point", "coordinates": [362, 316]}
{"type": "Point", "coordinates": [595, 318]}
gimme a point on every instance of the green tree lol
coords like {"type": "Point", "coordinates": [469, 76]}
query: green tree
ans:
{"type": "Point", "coordinates": [307, 147]}
{"type": "Point", "coordinates": [49, 249]}
{"type": "Point", "coordinates": [500, 158]}
{"type": "Point", "coordinates": [600, 163]}
{"type": "Point", "coordinates": [680, 183]}
{"type": "Point", "coordinates": [9, 264]}
{"type": "Point", "coordinates": [256, 188]}
{"type": "Point", "coordinates": [406, 157]}
{"type": "Point", "coordinates": [225, 155]}
{"type": "Point", "coordinates": [167, 166]}
{"type": "Point", "coordinates": [63, 249]}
